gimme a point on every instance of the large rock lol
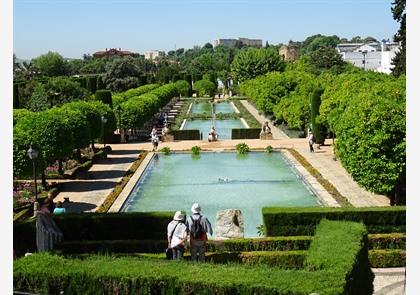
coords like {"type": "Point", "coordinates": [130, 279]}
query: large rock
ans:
{"type": "Point", "coordinates": [229, 224]}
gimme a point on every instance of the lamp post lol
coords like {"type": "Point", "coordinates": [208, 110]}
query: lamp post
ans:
{"type": "Point", "coordinates": [364, 59]}
{"type": "Point", "coordinates": [33, 155]}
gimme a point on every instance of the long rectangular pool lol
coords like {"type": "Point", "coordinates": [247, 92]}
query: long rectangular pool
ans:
{"type": "Point", "coordinates": [223, 127]}
{"type": "Point", "coordinates": [219, 181]}
{"type": "Point", "coordinates": [205, 107]}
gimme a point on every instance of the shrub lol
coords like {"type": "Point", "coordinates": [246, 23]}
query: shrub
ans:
{"type": "Point", "coordinates": [302, 221]}
{"type": "Point", "coordinates": [166, 150]}
{"type": "Point", "coordinates": [242, 148]}
{"type": "Point", "coordinates": [186, 134]}
{"type": "Point", "coordinates": [92, 84]}
{"type": "Point", "coordinates": [387, 241]}
{"type": "Point", "coordinates": [105, 96]}
{"type": "Point", "coordinates": [268, 149]}
{"type": "Point", "coordinates": [387, 258]}
{"type": "Point", "coordinates": [195, 150]}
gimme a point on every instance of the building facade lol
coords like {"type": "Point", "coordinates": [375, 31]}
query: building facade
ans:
{"type": "Point", "coordinates": [289, 52]}
{"type": "Point", "coordinates": [232, 42]}
{"type": "Point", "coordinates": [153, 54]}
{"type": "Point", "coordinates": [375, 56]}
{"type": "Point", "coordinates": [113, 52]}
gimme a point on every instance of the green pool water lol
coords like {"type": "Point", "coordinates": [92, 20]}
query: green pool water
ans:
{"type": "Point", "coordinates": [223, 127]}
{"type": "Point", "coordinates": [205, 107]}
{"type": "Point", "coordinates": [219, 181]}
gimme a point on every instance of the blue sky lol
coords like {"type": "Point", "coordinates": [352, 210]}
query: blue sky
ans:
{"type": "Point", "coordinates": [75, 27]}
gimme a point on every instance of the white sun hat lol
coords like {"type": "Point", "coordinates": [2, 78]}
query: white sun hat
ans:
{"type": "Point", "coordinates": [195, 208]}
{"type": "Point", "coordinates": [178, 216]}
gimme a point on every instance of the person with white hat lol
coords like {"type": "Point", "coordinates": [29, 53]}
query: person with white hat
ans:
{"type": "Point", "coordinates": [198, 226]}
{"type": "Point", "coordinates": [177, 235]}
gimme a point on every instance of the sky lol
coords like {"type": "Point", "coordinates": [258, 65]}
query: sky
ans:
{"type": "Point", "coordinates": [75, 27]}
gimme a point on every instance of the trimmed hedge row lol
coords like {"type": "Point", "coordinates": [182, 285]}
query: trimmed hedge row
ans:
{"type": "Point", "coordinates": [118, 98]}
{"type": "Point", "coordinates": [387, 258]}
{"type": "Point", "coordinates": [334, 265]}
{"type": "Point", "coordinates": [387, 241]}
{"type": "Point", "coordinates": [186, 134]}
{"type": "Point", "coordinates": [246, 133]}
{"type": "Point", "coordinates": [98, 226]}
{"type": "Point", "coordinates": [279, 221]}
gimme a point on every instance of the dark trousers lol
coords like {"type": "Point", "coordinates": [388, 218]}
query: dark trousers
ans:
{"type": "Point", "coordinates": [178, 252]}
{"type": "Point", "coordinates": [311, 148]}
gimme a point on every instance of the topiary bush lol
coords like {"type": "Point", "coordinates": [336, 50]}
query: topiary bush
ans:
{"type": "Point", "coordinates": [105, 96]}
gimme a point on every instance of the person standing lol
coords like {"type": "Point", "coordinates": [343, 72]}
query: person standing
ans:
{"type": "Point", "coordinates": [155, 142]}
{"type": "Point", "coordinates": [198, 226]}
{"type": "Point", "coordinates": [311, 141]}
{"type": "Point", "coordinates": [177, 235]}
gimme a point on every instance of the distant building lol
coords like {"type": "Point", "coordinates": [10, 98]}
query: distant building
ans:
{"type": "Point", "coordinates": [232, 42]}
{"type": "Point", "coordinates": [225, 42]}
{"type": "Point", "coordinates": [251, 42]}
{"type": "Point", "coordinates": [374, 56]}
{"type": "Point", "coordinates": [153, 54]}
{"type": "Point", "coordinates": [289, 52]}
{"type": "Point", "coordinates": [113, 52]}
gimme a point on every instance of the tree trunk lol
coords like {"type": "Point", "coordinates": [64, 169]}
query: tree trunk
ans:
{"type": "Point", "coordinates": [60, 167]}
{"type": "Point", "coordinates": [93, 143]}
{"type": "Point", "coordinates": [44, 181]}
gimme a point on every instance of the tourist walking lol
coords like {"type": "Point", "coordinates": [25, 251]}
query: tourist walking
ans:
{"type": "Point", "coordinates": [155, 142]}
{"type": "Point", "coordinates": [198, 226]}
{"type": "Point", "coordinates": [177, 235]}
{"type": "Point", "coordinates": [311, 141]}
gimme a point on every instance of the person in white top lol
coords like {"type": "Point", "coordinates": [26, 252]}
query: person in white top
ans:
{"type": "Point", "coordinates": [177, 235]}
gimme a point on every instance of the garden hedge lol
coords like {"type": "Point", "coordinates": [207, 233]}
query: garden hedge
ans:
{"type": "Point", "coordinates": [387, 241]}
{"type": "Point", "coordinates": [98, 226]}
{"type": "Point", "coordinates": [387, 258]}
{"type": "Point", "coordinates": [336, 264]}
{"type": "Point", "coordinates": [280, 221]}
{"type": "Point", "coordinates": [186, 134]}
{"type": "Point", "coordinates": [105, 96]}
{"type": "Point", "coordinates": [246, 133]}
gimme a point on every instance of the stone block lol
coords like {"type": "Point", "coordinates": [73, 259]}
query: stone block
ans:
{"type": "Point", "coordinates": [229, 224]}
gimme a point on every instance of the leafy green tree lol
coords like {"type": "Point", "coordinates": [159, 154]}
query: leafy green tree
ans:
{"type": "Point", "coordinates": [183, 88]}
{"type": "Point", "coordinates": [18, 114]}
{"type": "Point", "coordinates": [38, 100]}
{"type": "Point", "coordinates": [399, 14]}
{"type": "Point", "coordinates": [61, 90]}
{"type": "Point", "coordinates": [253, 62]}
{"type": "Point", "coordinates": [122, 74]}
{"type": "Point", "coordinates": [315, 42]}
{"type": "Point", "coordinates": [326, 58]}
{"type": "Point", "coordinates": [51, 64]}
{"type": "Point", "coordinates": [204, 87]}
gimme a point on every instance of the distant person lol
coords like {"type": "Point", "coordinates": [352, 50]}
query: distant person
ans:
{"type": "Point", "coordinates": [266, 128]}
{"type": "Point", "coordinates": [154, 131]}
{"type": "Point", "coordinates": [59, 209]}
{"type": "Point", "coordinates": [311, 141]}
{"type": "Point", "coordinates": [198, 226]}
{"type": "Point", "coordinates": [212, 134]}
{"type": "Point", "coordinates": [177, 235]}
{"type": "Point", "coordinates": [155, 142]}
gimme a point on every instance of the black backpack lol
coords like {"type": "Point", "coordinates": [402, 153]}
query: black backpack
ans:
{"type": "Point", "coordinates": [196, 228]}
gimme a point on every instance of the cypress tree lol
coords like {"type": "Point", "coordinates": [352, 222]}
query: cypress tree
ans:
{"type": "Point", "coordinates": [318, 130]}
{"type": "Point", "coordinates": [105, 96]}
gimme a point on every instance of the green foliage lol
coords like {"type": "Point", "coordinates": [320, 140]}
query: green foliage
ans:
{"type": "Point", "coordinates": [242, 148]}
{"type": "Point", "coordinates": [16, 103]}
{"type": "Point", "coordinates": [50, 64]}
{"type": "Point", "coordinates": [38, 100]}
{"type": "Point", "coordinates": [183, 88]}
{"type": "Point", "coordinates": [104, 96]}
{"type": "Point", "coordinates": [347, 254]}
{"type": "Point", "coordinates": [92, 84]}
{"type": "Point", "coordinates": [318, 130]}
{"type": "Point", "coordinates": [399, 14]}
{"type": "Point", "coordinates": [302, 221]}
{"type": "Point", "coordinates": [387, 241]}
{"type": "Point", "coordinates": [118, 98]}
{"type": "Point", "coordinates": [166, 150]}
{"type": "Point", "coordinates": [18, 114]}
{"type": "Point", "coordinates": [268, 149]}
{"type": "Point", "coordinates": [144, 274]}
{"type": "Point", "coordinates": [315, 42]}
{"type": "Point", "coordinates": [195, 150]}
{"type": "Point", "coordinates": [253, 62]}
{"type": "Point", "coordinates": [61, 90]}
{"type": "Point", "coordinates": [204, 87]}
{"type": "Point", "coordinates": [245, 133]}
{"type": "Point", "coordinates": [122, 74]}
{"type": "Point", "coordinates": [387, 258]}
{"type": "Point", "coordinates": [326, 58]}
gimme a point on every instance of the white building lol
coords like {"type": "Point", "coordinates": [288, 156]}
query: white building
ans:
{"type": "Point", "coordinates": [375, 56]}
{"type": "Point", "coordinates": [153, 54]}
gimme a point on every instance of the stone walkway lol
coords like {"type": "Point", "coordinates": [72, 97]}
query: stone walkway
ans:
{"type": "Point", "coordinates": [389, 281]}
{"type": "Point", "coordinates": [87, 195]}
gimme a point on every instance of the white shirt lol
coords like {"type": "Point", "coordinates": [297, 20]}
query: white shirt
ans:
{"type": "Point", "coordinates": [180, 232]}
